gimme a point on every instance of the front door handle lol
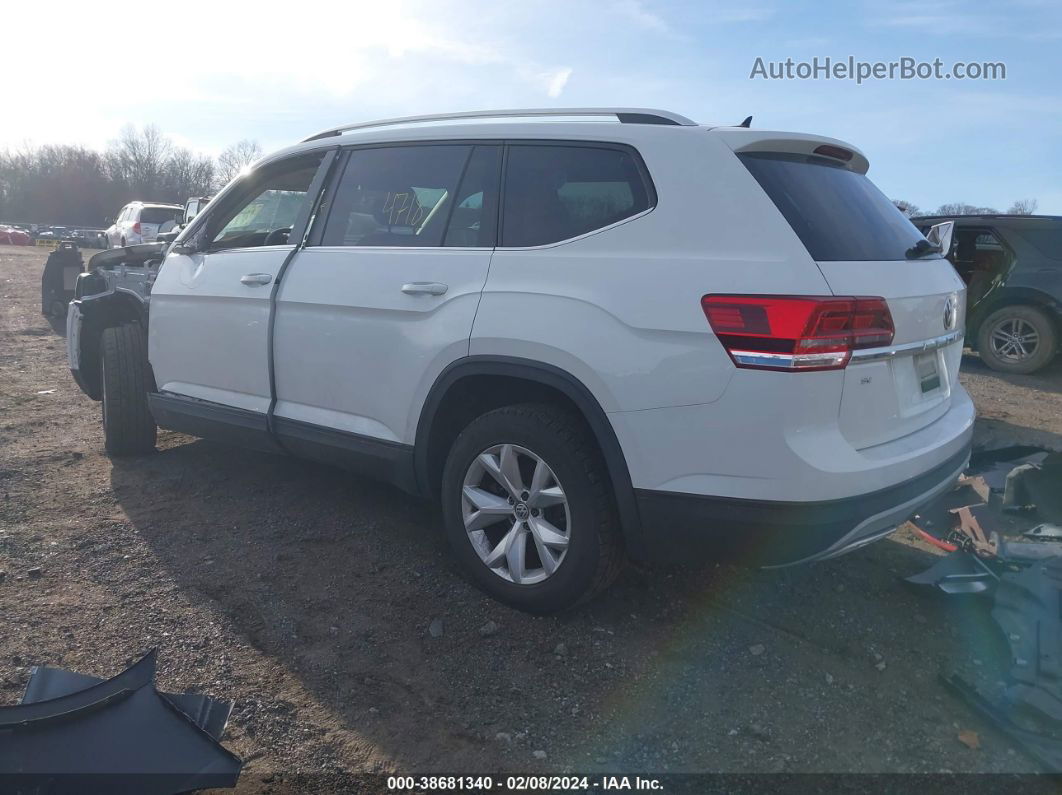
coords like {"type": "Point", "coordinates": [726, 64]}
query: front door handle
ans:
{"type": "Point", "coordinates": [424, 288]}
{"type": "Point", "coordinates": [256, 279]}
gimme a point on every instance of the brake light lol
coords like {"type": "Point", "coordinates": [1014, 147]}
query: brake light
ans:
{"type": "Point", "coordinates": [136, 228]}
{"type": "Point", "coordinates": [782, 332]}
{"type": "Point", "coordinates": [829, 150]}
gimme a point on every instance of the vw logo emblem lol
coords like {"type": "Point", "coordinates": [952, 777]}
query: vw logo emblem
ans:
{"type": "Point", "coordinates": [520, 509]}
{"type": "Point", "coordinates": [949, 313]}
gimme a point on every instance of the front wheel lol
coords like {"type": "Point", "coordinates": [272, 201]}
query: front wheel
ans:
{"type": "Point", "coordinates": [528, 508]}
{"type": "Point", "coordinates": [128, 427]}
{"type": "Point", "coordinates": [1017, 339]}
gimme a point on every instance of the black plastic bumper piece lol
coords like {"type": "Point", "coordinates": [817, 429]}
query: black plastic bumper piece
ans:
{"type": "Point", "coordinates": [682, 528]}
{"type": "Point", "coordinates": [79, 734]}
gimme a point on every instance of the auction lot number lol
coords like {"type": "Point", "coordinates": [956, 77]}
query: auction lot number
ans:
{"type": "Point", "coordinates": [487, 783]}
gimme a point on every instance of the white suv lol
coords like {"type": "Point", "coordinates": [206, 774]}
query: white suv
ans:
{"type": "Point", "coordinates": [590, 334]}
{"type": "Point", "coordinates": [140, 223]}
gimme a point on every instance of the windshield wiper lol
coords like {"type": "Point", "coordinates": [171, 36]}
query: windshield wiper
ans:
{"type": "Point", "coordinates": [921, 248]}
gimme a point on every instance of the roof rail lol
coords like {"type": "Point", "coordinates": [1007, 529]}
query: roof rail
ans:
{"type": "Point", "coordinates": [624, 115]}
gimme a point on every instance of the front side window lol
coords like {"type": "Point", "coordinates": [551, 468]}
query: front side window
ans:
{"type": "Point", "coordinates": [265, 211]}
{"type": "Point", "coordinates": [398, 196]}
{"type": "Point", "coordinates": [554, 193]}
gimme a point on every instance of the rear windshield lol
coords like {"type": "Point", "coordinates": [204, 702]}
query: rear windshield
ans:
{"type": "Point", "coordinates": [838, 214]}
{"type": "Point", "coordinates": [159, 215]}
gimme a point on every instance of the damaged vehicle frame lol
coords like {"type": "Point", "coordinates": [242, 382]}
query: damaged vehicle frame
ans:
{"type": "Point", "coordinates": [114, 291]}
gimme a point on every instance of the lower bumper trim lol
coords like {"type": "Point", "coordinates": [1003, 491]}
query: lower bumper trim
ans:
{"type": "Point", "coordinates": [682, 527]}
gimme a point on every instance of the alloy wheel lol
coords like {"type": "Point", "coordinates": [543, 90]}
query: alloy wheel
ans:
{"type": "Point", "coordinates": [516, 514]}
{"type": "Point", "coordinates": [1014, 339]}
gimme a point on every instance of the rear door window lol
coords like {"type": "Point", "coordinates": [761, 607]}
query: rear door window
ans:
{"type": "Point", "coordinates": [838, 214]}
{"type": "Point", "coordinates": [557, 192]}
{"type": "Point", "coordinates": [397, 196]}
{"type": "Point", "coordinates": [474, 216]}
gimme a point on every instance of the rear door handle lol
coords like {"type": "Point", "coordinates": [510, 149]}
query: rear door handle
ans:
{"type": "Point", "coordinates": [424, 288]}
{"type": "Point", "coordinates": [256, 279]}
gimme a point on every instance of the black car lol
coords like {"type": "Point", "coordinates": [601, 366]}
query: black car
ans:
{"type": "Point", "coordinates": [1012, 266]}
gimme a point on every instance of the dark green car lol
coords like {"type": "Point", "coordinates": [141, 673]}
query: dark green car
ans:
{"type": "Point", "coordinates": [1012, 266]}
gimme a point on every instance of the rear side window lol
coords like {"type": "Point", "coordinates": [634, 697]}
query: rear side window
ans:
{"type": "Point", "coordinates": [1048, 240]}
{"type": "Point", "coordinates": [837, 214]}
{"type": "Point", "coordinates": [398, 196]}
{"type": "Point", "coordinates": [553, 193]}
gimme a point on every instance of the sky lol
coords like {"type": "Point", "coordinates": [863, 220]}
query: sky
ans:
{"type": "Point", "coordinates": [211, 73]}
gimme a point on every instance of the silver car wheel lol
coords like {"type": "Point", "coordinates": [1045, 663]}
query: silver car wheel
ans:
{"type": "Point", "coordinates": [1014, 339]}
{"type": "Point", "coordinates": [516, 514]}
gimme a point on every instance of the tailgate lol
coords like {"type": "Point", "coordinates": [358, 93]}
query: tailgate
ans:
{"type": "Point", "coordinates": [895, 391]}
{"type": "Point", "coordinates": [865, 247]}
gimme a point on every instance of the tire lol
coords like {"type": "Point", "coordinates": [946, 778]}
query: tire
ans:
{"type": "Point", "coordinates": [58, 308]}
{"type": "Point", "coordinates": [128, 427]}
{"type": "Point", "coordinates": [123, 243]}
{"type": "Point", "coordinates": [584, 514]}
{"type": "Point", "coordinates": [1017, 339]}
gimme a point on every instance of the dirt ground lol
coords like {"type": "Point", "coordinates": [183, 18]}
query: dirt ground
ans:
{"type": "Point", "coordinates": [305, 595]}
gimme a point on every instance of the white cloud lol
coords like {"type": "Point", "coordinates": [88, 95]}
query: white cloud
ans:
{"type": "Point", "coordinates": [268, 67]}
{"type": "Point", "coordinates": [742, 14]}
{"type": "Point", "coordinates": [557, 81]}
{"type": "Point", "coordinates": [635, 11]}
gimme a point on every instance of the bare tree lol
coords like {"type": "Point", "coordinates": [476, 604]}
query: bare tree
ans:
{"type": "Point", "coordinates": [54, 184]}
{"type": "Point", "coordinates": [1023, 207]}
{"type": "Point", "coordinates": [138, 159]}
{"type": "Point", "coordinates": [961, 208]}
{"type": "Point", "coordinates": [187, 174]}
{"type": "Point", "coordinates": [910, 209]}
{"type": "Point", "coordinates": [235, 158]}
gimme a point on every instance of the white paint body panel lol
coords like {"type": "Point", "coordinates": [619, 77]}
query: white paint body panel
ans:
{"type": "Point", "coordinates": [209, 334]}
{"type": "Point", "coordinates": [355, 353]}
{"type": "Point", "coordinates": [619, 309]}
{"type": "Point", "coordinates": [883, 400]}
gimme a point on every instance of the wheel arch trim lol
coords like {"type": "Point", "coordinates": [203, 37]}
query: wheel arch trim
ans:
{"type": "Point", "coordinates": [97, 313]}
{"type": "Point", "coordinates": [564, 382]}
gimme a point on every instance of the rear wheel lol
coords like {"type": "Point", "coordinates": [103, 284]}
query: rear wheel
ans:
{"type": "Point", "coordinates": [528, 508]}
{"type": "Point", "coordinates": [1017, 339]}
{"type": "Point", "coordinates": [128, 427]}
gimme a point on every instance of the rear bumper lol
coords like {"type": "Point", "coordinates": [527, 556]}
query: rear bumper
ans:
{"type": "Point", "coordinates": [679, 527]}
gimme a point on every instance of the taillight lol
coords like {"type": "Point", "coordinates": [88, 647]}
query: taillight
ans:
{"type": "Point", "coordinates": [784, 332]}
{"type": "Point", "coordinates": [136, 228]}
